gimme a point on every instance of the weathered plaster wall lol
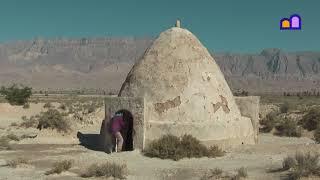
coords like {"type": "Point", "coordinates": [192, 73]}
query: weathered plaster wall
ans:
{"type": "Point", "coordinates": [136, 107]}
{"type": "Point", "coordinates": [249, 107]}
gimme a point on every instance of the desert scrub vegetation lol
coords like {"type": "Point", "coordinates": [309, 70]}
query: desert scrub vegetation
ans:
{"type": "Point", "coordinates": [50, 119]}
{"type": "Point", "coordinates": [187, 146]}
{"type": "Point", "coordinates": [316, 134]}
{"type": "Point", "coordinates": [15, 162]}
{"type": "Point", "coordinates": [53, 119]}
{"type": "Point", "coordinates": [63, 107]}
{"type": "Point", "coordinates": [288, 127]}
{"type": "Point", "coordinates": [311, 120]}
{"type": "Point", "coordinates": [269, 122]}
{"type": "Point", "coordinates": [48, 105]}
{"type": "Point", "coordinates": [302, 165]}
{"type": "Point", "coordinates": [26, 106]}
{"type": "Point", "coordinates": [5, 143]}
{"type": "Point", "coordinates": [284, 108]}
{"type": "Point", "coordinates": [217, 173]}
{"type": "Point", "coordinates": [60, 167]}
{"type": "Point", "coordinates": [29, 122]}
{"type": "Point", "coordinates": [13, 137]}
{"type": "Point", "coordinates": [16, 94]}
{"type": "Point", "coordinates": [107, 170]}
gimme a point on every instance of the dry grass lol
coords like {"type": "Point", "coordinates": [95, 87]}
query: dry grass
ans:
{"type": "Point", "coordinates": [316, 134]}
{"type": "Point", "coordinates": [48, 105]}
{"type": "Point", "coordinates": [60, 167]}
{"type": "Point", "coordinates": [302, 165]}
{"type": "Point", "coordinates": [4, 143]}
{"type": "Point", "coordinates": [288, 163]}
{"type": "Point", "coordinates": [13, 137]}
{"type": "Point", "coordinates": [172, 147]}
{"type": "Point", "coordinates": [213, 174]}
{"type": "Point", "coordinates": [219, 174]}
{"type": "Point", "coordinates": [29, 122]}
{"type": "Point", "coordinates": [107, 170]}
{"type": "Point", "coordinates": [15, 162]}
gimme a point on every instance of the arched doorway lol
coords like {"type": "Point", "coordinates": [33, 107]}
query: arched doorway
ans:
{"type": "Point", "coordinates": [128, 132]}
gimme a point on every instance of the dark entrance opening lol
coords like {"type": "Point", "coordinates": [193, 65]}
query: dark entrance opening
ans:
{"type": "Point", "coordinates": [128, 132]}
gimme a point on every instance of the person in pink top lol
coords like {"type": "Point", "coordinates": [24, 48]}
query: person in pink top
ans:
{"type": "Point", "coordinates": [117, 125]}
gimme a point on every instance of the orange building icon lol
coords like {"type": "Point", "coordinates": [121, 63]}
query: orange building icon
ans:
{"type": "Point", "coordinates": [292, 23]}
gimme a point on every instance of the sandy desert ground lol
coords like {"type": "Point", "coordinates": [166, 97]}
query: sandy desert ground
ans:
{"type": "Point", "coordinates": [49, 147]}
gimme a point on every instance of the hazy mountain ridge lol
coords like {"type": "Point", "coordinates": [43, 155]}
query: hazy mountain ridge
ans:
{"type": "Point", "coordinates": [103, 63]}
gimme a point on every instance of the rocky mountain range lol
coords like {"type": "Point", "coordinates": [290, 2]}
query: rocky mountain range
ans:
{"type": "Point", "coordinates": [103, 63]}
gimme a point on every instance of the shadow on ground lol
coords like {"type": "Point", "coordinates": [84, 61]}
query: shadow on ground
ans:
{"type": "Point", "coordinates": [90, 141]}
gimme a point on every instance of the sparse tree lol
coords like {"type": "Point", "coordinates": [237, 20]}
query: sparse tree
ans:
{"type": "Point", "coordinates": [16, 94]}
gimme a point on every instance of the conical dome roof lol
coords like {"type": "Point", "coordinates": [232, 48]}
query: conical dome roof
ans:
{"type": "Point", "coordinates": [182, 83]}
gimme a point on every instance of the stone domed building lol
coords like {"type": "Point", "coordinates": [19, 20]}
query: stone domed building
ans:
{"type": "Point", "coordinates": [178, 88]}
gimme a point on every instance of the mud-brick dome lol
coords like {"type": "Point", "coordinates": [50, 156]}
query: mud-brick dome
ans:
{"type": "Point", "coordinates": [185, 91]}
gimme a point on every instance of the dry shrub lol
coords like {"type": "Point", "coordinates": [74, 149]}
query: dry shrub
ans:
{"type": "Point", "coordinates": [63, 107]}
{"type": "Point", "coordinates": [284, 108]}
{"type": "Point", "coordinates": [213, 174]}
{"type": "Point", "coordinates": [316, 134]}
{"type": "Point", "coordinates": [288, 127]}
{"type": "Point", "coordinates": [4, 143]}
{"type": "Point", "coordinates": [173, 147]}
{"type": "Point", "coordinates": [107, 170]}
{"type": "Point", "coordinates": [14, 124]}
{"type": "Point", "coordinates": [311, 120]}
{"type": "Point", "coordinates": [53, 119]}
{"type": "Point", "coordinates": [242, 173]}
{"type": "Point", "coordinates": [48, 105]}
{"type": "Point", "coordinates": [26, 106]}
{"type": "Point", "coordinates": [60, 167]}
{"type": "Point", "coordinates": [305, 165]}
{"type": "Point", "coordinates": [269, 122]}
{"type": "Point", "coordinates": [29, 122]}
{"type": "Point", "coordinates": [15, 162]}
{"type": "Point", "coordinates": [219, 174]}
{"type": "Point", "coordinates": [13, 137]}
{"type": "Point", "coordinates": [288, 163]}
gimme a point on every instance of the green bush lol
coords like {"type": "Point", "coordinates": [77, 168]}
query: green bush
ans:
{"type": "Point", "coordinates": [288, 127]}
{"type": "Point", "coordinates": [269, 122]}
{"type": "Point", "coordinates": [107, 170]}
{"type": "Point", "coordinates": [172, 147]}
{"type": "Point", "coordinates": [59, 167]}
{"type": "Point", "coordinates": [16, 95]}
{"type": "Point", "coordinates": [53, 119]}
{"type": "Point", "coordinates": [311, 120]}
{"type": "Point", "coordinates": [284, 108]}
